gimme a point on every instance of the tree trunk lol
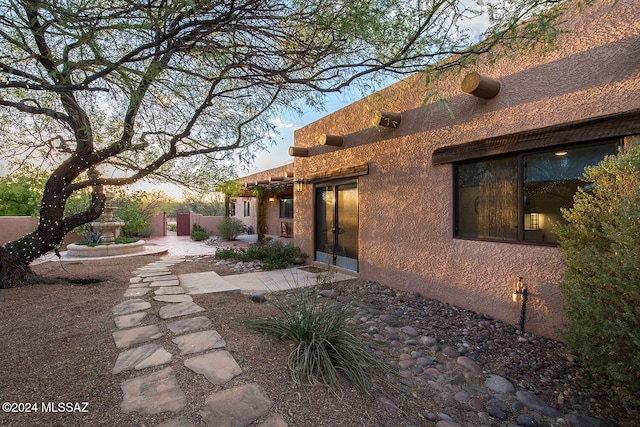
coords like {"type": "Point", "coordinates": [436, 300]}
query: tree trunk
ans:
{"type": "Point", "coordinates": [14, 271]}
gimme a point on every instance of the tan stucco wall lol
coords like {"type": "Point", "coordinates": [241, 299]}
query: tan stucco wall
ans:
{"type": "Point", "coordinates": [14, 227]}
{"type": "Point", "coordinates": [406, 205]}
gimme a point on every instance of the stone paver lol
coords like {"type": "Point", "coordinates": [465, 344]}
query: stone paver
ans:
{"type": "Point", "coordinates": [239, 406]}
{"type": "Point", "coordinates": [141, 357]}
{"type": "Point", "coordinates": [179, 309]}
{"type": "Point", "coordinates": [130, 306]}
{"type": "Point", "coordinates": [188, 325]}
{"type": "Point", "coordinates": [173, 298]}
{"type": "Point", "coordinates": [135, 292]}
{"type": "Point", "coordinates": [199, 341]}
{"type": "Point", "coordinates": [129, 337]}
{"type": "Point", "coordinates": [169, 290]}
{"type": "Point", "coordinates": [154, 273]}
{"type": "Point", "coordinates": [139, 285]}
{"type": "Point", "coordinates": [162, 278]}
{"type": "Point", "coordinates": [153, 393]}
{"type": "Point", "coordinates": [204, 283]}
{"type": "Point", "coordinates": [164, 283]}
{"type": "Point", "coordinates": [129, 320]}
{"type": "Point", "coordinates": [218, 367]}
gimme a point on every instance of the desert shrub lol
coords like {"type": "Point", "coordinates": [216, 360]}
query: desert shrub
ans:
{"type": "Point", "coordinates": [325, 343]}
{"type": "Point", "coordinates": [273, 254]}
{"type": "Point", "coordinates": [230, 228]}
{"type": "Point", "coordinates": [199, 233]}
{"type": "Point", "coordinates": [227, 253]}
{"type": "Point", "coordinates": [601, 285]}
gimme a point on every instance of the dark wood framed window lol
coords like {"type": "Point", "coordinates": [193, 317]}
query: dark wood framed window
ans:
{"type": "Point", "coordinates": [519, 197]}
{"type": "Point", "coordinates": [286, 208]}
{"type": "Point", "coordinates": [247, 208]}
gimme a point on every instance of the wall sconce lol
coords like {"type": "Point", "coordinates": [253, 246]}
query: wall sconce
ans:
{"type": "Point", "coordinates": [272, 199]}
{"type": "Point", "coordinates": [298, 185]}
{"type": "Point", "coordinates": [534, 220]}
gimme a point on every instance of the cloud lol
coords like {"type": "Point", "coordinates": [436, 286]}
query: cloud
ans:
{"type": "Point", "coordinates": [282, 125]}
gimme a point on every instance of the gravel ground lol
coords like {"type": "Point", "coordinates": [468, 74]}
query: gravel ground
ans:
{"type": "Point", "coordinates": [56, 346]}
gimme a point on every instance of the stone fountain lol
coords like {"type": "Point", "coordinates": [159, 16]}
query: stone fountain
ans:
{"type": "Point", "coordinates": [109, 229]}
{"type": "Point", "coordinates": [105, 225]}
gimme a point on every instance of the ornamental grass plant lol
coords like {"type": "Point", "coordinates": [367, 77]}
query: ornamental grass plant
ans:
{"type": "Point", "coordinates": [326, 345]}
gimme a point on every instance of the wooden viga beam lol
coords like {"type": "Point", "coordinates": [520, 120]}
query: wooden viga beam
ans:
{"type": "Point", "coordinates": [298, 152]}
{"type": "Point", "coordinates": [386, 119]}
{"type": "Point", "coordinates": [481, 86]}
{"type": "Point", "coordinates": [332, 140]}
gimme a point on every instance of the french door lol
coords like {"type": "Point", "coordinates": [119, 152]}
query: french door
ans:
{"type": "Point", "coordinates": [337, 224]}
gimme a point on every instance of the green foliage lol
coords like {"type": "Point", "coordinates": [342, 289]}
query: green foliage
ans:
{"type": "Point", "coordinates": [325, 343]}
{"type": "Point", "coordinates": [230, 228]}
{"type": "Point", "coordinates": [601, 285]}
{"type": "Point", "coordinates": [198, 233]}
{"type": "Point", "coordinates": [121, 240]}
{"type": "Point", "coordinates": [273, 254]}
{"type": "Point", "coordinates": [93, 238]}
{"type": "Point", "coordinates": [21, 192]}
{"type": "Point", "coordinates": [136, 209]}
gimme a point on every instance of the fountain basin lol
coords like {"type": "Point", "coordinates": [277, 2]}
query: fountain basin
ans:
{"type": "Point", "coordinates": [84, 251]}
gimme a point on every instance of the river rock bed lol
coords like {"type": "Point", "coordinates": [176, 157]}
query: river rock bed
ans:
{"type": "Point", "coordinates": [478, 371]}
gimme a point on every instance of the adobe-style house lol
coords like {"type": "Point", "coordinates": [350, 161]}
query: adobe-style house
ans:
{"type": "Point", "coordinates": [457, 204]}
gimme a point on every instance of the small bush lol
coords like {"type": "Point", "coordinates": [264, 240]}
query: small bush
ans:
{"type": "Point", "coordinates": [601, 285]}
{"type": "Point", "coordinates": [227, 253]}
{"type": "Point", "coordinates": [324, 342]}
{"type": "Point", "coordinates": [198, 233]}
{"type": "Point", "coordinates": [230, 228]}
{"type": "Point", "coordinates": [123, 240]}
{"type": "Point", "coordinates": [274, 254]}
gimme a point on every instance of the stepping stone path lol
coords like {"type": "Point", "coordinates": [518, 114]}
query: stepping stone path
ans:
{"type": "Point", "coordinates": [199, 346]}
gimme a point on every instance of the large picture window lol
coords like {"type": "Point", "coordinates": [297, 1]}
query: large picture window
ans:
{"type": "Point", "coordinates": [518, 197]}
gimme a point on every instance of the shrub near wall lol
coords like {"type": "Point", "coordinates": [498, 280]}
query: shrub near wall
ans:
{"type": "Point", "coordinates": [601, 285]}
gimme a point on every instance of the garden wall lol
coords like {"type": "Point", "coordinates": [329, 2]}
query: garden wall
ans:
{"type": "Point", "coordinates": [186, 222]}
{"type": "Point", "coordinates": [14, 227]}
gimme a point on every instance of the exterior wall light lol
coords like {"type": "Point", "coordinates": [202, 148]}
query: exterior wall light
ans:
{"type": "Point", "coordinates": [534, 221]}
{"type": "Point", "coordinates": [298, 185]}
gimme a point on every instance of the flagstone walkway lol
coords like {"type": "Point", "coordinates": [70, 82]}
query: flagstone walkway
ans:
{"type": "Point", "coordinates": [155, 391]}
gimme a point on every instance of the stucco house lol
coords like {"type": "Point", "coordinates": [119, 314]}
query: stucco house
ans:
{"type": "Point", "coordinates": [457, 204]}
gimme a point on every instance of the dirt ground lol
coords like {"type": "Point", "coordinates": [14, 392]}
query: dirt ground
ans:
{"type": "Point", "coordinates": [56, 346]}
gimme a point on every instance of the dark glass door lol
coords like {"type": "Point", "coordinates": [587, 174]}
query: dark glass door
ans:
{"type": "Point", "coordinates": [337, 224]}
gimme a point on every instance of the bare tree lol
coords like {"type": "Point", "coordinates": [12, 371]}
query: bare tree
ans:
{"type": "Point", "coordinates": [106, 93]}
